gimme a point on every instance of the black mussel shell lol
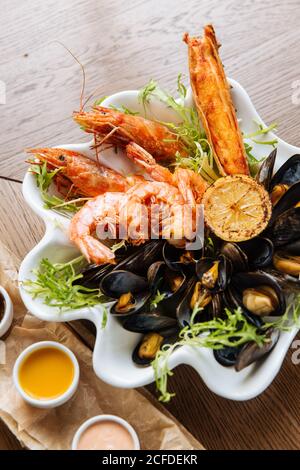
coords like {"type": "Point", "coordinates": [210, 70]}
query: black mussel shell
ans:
{"type": "Point", "coordinates": [265, 172]}
{"type": "Point", "coordinates": [146, 322]}
{"type": "Point", "coordinates": [293, 248]}
{"type": "Point", "coordinates": [116, 283]}
{"type": "Point", "coordinates": [215, 308]}
{"type": "Point", "coordinates": [238, 258]}
{"type": "Point", "coordinates": [259, 252]}
{"type": "Point", "coordinates": [183, 310]}
{"type": "Point", "coordinates": [242, 281]}
{"type": "Point", "coordinates": [286, 202]}
{"type": "Point", "coordinates": [2, 306]}
{"type": "Point", "coordinates": [92, 275]}
{"type": "Point", "coordinates": [251, 352]}
{"type": "Point", "coordinates": [288, 173]}
{"type": "Point", "coordinates": [179, 259]}
{"type": "Point", "coordinates": [286, 228]}
{"type": "Point", "coordinates": [224, 271]}
{"type": "Point", "coordinates": [288, 283]}
{"type": "Point", "coordinates": [227, 356]}
{"type": "Point", "coordinates": [140, 260]}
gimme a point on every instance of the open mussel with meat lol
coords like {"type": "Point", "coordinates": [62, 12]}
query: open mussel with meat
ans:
{"type": "Point", "coordinates": [287, 175]}
{"type": "Point", "coordinates": [130, 290]}
{"type": "Point", "coordinates": [197, 297]}
{"type": "Point", "coordinates": [147, 348]}
{"type": "Point", "coordinates": [157, 330]}
{"type": "Point", "coordinates": [258, 294]}
{"type": "Point", "coordinates": [214, 273]}
{"type": "Point", "coordinates": [287, 263]}
{"type": "Point", "coordinates": [166, 286]}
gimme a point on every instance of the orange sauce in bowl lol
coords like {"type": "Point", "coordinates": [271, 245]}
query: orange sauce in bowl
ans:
{"type": "Point", "coordinates": [46, 373]}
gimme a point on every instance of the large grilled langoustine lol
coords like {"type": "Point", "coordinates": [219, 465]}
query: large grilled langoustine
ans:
{"type": "Point", "coordinates": [214, 104]}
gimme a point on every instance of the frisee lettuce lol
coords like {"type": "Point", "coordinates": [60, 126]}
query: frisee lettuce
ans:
{"type": "Point", "coordinates": [57, 284]}
{"type": "Point", "coordinates": [157, 298]}
{"type": "Point", "coordinates": [188, 130]}
{"type": "Point", "coordinates": [253, 162]}
{"type": "Point", "coordinates": [44, 178]}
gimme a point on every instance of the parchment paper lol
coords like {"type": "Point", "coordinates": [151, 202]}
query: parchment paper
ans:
{"type": "Point", "coordinates": [54, 429]}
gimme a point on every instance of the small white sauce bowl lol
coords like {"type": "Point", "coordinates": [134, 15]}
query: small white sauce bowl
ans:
{"type": "Point", "coordinates": [98, 419]}
{"type": "Point", "coordinates": [8, 312]}
{"type": "Point", "coordinates": [53, 402]}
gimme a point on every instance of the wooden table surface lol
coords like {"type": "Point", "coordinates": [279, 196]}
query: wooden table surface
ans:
{"type": "Point", "coordinates": [122, 45]}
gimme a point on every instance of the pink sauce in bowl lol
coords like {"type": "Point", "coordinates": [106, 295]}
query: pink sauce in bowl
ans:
{"type": "Point", "coordinates": [106, 432]}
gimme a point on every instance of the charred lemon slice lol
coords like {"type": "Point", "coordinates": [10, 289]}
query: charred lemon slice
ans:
{"type": "Point", "coordinates": [236, 208]}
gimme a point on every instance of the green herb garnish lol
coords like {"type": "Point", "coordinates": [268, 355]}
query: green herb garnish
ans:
{"type": "Point", "coordinates": [118, 246]}
{"type": "Point", "coordinates": [188, 130]}
{"type": "Point", "coordinates": [232, 331]}
{"type": "Point", "coordinates": [146, 93]}
{"type": "Point", "coordinates": [100, 101]}
{"type": "Point", "coordinates": [55, 283]}
{"type": "Point", "coordinates": [104, 318]}
{"type": "Point", "coordinates": [254, 163]}
{"type": "Point", "coordinates": [44, 178]}
{"type": "Point", "coordinates": [262, 131]}
{"type": "Point", "coordinates": [158, 297]}
{"type": "Point", "coordinates": [124, 109]}
{"type": "Point", "coordinates": [291, 317]}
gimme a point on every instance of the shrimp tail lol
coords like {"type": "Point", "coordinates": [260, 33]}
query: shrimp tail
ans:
{"type": "Point", "coordinates": [94, 251]}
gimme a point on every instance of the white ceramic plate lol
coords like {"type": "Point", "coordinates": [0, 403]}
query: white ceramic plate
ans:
{"type": "Point", "coordinates": [112, 354]}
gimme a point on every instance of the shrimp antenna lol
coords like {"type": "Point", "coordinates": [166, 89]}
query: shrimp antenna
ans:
{"type": "Point", "coordinates": [91, 95]}
{"type": "Point", "coordinates": [82, 101]}
{"type": "Point", "coordinates": [82, 104]}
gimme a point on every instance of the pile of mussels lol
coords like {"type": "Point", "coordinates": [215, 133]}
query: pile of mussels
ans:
{"type": "Point", "coordinates": [257, 275]}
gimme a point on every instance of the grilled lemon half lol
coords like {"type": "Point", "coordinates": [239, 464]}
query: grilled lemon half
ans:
{"type": "Point", "coordinates": [236, 208]}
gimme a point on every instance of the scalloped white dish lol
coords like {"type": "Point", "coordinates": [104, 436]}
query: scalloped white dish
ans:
{"type": "Point", "coordinates": [113, 348]}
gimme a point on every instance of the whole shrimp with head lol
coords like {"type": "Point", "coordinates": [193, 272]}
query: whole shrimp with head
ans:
{"type": "Point", "coordinates": [117, 128]}
{"type": "Point", "coordinates": [89, 177]}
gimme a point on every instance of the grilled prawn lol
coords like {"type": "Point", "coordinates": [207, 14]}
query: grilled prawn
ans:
{"type": "Point", "coordinates": [123, 213]}
{"type": "Point", "coordinates": [117, 128]}
{"type": "Point", "coordinates": [89, 177]}
{"type": "Point", "coordinates": [214, 104]}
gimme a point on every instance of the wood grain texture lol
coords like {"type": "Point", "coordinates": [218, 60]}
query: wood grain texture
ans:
{"type": "Point", "coordinates": [122, 45]}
